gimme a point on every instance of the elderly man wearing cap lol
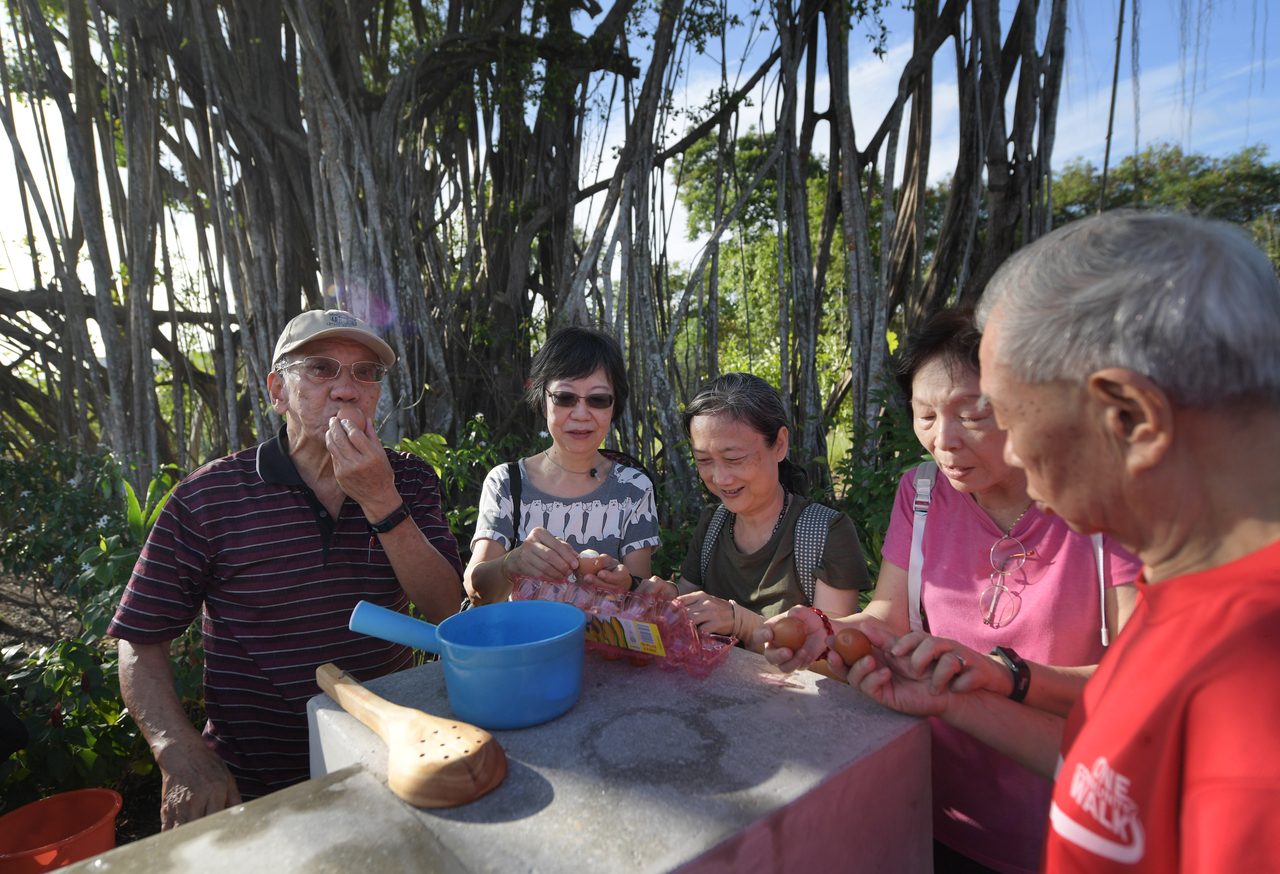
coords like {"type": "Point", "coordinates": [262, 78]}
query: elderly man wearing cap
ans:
{"type": "Point", "coordinates": [1134, 360]}
{"type": "Point", "coordinates": [277, 544]}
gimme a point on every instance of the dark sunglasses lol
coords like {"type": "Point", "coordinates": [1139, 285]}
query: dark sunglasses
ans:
{"type": "Point", "coordinates": [322, 369]}
{"type": "Point", "coordinates": [569, 399]}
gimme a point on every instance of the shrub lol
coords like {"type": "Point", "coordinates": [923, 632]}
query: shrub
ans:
{"type": "Point", "coordinates": [866, 479]}
{"type": "Point", "coordinates": [78, 531]}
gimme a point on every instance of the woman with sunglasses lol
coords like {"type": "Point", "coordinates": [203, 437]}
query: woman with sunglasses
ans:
{"type": "Point", "coordinates": [571, 497]}
{"type": "Point", "coordinates": [737, 427]}
{"type": "Point", "coordinates": [1013, 591]}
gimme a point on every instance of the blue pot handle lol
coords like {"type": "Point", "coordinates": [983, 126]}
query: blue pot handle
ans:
{"type": "Point", "coordinates": [389, 625]}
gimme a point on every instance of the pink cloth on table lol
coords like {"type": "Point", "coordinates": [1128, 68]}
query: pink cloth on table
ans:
{"type": "Point", "coordinates": [985, 805]}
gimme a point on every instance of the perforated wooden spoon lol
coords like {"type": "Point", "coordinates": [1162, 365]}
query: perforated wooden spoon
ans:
{"type": "Point", "coordinates": [433, 762]}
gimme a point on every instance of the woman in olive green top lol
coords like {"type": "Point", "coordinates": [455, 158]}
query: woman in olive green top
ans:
{"type": "Point", "coordinates": [737, 427]}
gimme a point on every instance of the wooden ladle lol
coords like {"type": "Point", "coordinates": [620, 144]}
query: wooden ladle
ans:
{"type": "Point", "coordinates": [433, 762]}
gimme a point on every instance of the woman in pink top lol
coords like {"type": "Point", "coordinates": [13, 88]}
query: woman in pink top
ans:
{"type": "Point", "coordinates": [996, 572]}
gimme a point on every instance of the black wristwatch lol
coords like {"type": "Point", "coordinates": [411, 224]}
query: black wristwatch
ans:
{"type": "Point", "coordinates": [1020, 670]}
{"type": "Point", "coordinates": [397, 516]}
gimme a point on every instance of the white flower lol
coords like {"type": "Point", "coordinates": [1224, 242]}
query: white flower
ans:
{"type": "Point", "coordinates": [28, 529]}
{"type": "Point", "coordinates": [74, 481]}
{"type": "Point", "coordinates": [57, 559]}
{"type": "Point", "coordinates": [483, 444]}
{"type": "Point", "coordinates": [479, 417]}
{"type": "Point", "coordinates": [543, 434]}
{"type": "Point", "coordinates": [104, 521]}
{"type": "Point", "coordinates": [25, 492]}
{"type": "Point", "coordinates": [86, 567]}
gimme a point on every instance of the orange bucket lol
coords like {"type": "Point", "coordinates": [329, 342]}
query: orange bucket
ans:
{"type": "Point", "coordinates": [58, 830]}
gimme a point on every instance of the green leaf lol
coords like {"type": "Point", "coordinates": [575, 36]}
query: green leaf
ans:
{"type": "Point", "coordinates": [155, 513]}
{"type": "Point", "coordinates": [59, 763]}
{"type": "Point", "coordinates": [135, 512]}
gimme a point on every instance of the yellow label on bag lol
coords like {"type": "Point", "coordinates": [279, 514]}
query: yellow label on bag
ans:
{"type": "Point", "coordinates": [625, 634]}
{"type": "Point", "coordinates": [643, 636]}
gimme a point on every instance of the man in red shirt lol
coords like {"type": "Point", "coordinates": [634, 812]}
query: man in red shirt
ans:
{"type": "Point", "coordinates": [1134, 360]}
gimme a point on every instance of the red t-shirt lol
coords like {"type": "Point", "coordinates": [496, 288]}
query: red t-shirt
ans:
{"type": "Point", "coordinates": [1171, 758]}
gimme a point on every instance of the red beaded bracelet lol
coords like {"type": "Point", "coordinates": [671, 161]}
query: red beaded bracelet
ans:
{"type": "Point", "coordinates": [826, 623]}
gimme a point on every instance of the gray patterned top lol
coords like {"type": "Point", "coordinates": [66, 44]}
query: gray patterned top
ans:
{"type": "Point", "coordinates": [617, 518]}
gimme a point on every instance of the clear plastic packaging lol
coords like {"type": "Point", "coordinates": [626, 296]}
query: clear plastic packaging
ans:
{"type": "Point", "coordinates": [641, 626]}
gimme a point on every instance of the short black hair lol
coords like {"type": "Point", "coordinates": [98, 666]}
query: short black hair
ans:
{"type": "Point", "coordinates": [572, 353]}
{"type": "Point", "coordinates": [951, 335]}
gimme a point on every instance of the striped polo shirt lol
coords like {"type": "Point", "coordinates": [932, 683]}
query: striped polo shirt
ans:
{"type": "Point", "coordinates": [277, 577]}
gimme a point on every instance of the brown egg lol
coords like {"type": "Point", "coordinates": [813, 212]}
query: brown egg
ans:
{"type": "Point", "coordinates": [351, 414]}
{"type": "Point", "coordinates": [592, 562]}
{"type": "Point", "coordinates": [851, 645]}
{"type": "Point", "coordinates": [789, 633]}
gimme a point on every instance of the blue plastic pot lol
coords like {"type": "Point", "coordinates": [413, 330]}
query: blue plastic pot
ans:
{"type": "Point", "coordinates": [507, 665]}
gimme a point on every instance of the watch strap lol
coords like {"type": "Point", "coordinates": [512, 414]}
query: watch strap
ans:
{"type": "Point", "coordinates": [397, 516]}
{"type": "Point", "coordinates": [1020, 669]}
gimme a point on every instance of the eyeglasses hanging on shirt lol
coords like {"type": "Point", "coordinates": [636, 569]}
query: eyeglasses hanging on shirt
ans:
{"type": "Point", "coordinates": [997, 603]}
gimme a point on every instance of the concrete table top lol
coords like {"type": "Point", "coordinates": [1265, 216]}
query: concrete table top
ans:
{"type": "Point", "coordinates": [651, 770]}
{"type": "Point", "coordinates": [749, 770]}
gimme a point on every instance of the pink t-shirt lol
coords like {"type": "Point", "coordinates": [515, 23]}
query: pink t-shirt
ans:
{"type": "Point", "coordinates": [984, 804]}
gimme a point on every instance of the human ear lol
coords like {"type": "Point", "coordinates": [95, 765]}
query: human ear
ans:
{"type": "Point", "coordinates": [276, 391]}
{"type": "Point", "coordinates": [1136, 413]}
{"type": "Point", "coordinates": [781, 443]}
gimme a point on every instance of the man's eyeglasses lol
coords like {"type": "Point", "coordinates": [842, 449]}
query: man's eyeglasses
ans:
{"type": "Point", "coordinates": [569, 399]}
{"type": "Point", "coordinates": [320, 369]}
{"type": "Point", "coordinates": [999, 605]}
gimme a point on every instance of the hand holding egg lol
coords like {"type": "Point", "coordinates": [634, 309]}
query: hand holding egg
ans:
{"type": "Point", "coordinates": [352, 414]}
{"type": "Point", "coordinates": [602, 570]}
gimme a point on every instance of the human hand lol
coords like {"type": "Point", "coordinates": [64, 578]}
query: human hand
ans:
{"type": "Point", "coordinates": [711, 615]}
{"type": "Point", "coordinates": [196, 783]}
{"type": "Point", "coordinates": [545, 556]}
{"type": "Point", "coordinates": [946, 662]}
{"type": "Point", "coordinates": [361, 467]}
{"type": "Point", "coordinates": [890, 680]}
{"type": "Point", "coordinates": [783, 657]}
{"type": "Point", "coordinates": [612, 574]}
{"type": "Point", "coordinates": [659, 586]}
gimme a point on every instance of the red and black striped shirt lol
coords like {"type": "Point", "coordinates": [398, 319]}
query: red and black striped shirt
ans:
{"type": "Point", "coordinates": [277, 577]}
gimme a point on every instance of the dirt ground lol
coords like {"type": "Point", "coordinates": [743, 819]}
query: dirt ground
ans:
{"type": "Point", "coordinates": [30, 617]}
{"type": "Point", "coordinates": [37, 619]}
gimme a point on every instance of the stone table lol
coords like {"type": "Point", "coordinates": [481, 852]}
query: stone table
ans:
{"type": "Point", "coordinates": [746, 771]}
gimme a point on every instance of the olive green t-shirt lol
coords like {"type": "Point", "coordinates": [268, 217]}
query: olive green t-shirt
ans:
{"type": "Point", "coordinates": [765, 581]}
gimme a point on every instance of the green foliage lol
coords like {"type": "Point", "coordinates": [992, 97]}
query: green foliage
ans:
{"type": "Point", "coordinates": [68, 697]}
{"type": "Point", "coordinates": [462, 470]}
{"type": "Point", "coordinates": [697, 171]}
{"type": "Point", "coordinates": [58, 504]}
{"type": "Point", "coordinates": [1241, 188]}
{"type": "Point", "coordinates": [63, 533]}
{"type": "Point", "coordinates": [866, 479]}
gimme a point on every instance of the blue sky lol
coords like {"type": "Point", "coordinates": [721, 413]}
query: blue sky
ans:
{"type": "Point", "coordinates": [1219, 94]}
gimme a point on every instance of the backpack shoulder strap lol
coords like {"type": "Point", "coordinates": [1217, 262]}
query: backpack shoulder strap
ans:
{"type": "Point", "coordinates": [513, 479]}
{"type": "Point", "coordinates": [926, 476]}
{"type": "Point", "coordinates": [709, 540]}
{"type": "Point", "coordinates": [810, 543]}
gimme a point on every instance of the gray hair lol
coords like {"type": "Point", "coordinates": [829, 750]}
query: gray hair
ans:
{"type": "Point", "coordinates": [749, 399]}
{"type": "Point", "coordinates": [1191, 304]}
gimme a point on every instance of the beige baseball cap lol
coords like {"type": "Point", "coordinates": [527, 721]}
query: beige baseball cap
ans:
{"type": "Point", "coordinates": [318, 324]}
